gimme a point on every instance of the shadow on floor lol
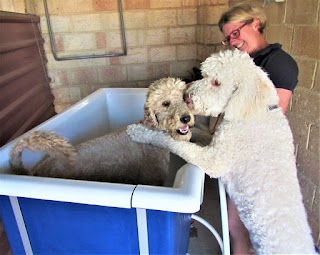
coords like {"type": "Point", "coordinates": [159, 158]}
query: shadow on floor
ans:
{"type": "Point", "coordinates": [4, 244]}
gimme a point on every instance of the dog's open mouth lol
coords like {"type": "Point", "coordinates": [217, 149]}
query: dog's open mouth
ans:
{"type": "Point", "coordinates": [183, 130]}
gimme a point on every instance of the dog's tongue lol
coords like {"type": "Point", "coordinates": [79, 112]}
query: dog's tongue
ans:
{"type": "Point", "coordinates": [184, 129]}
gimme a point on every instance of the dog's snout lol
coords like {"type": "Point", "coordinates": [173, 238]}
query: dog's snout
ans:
{"type": "Point", "coordinates": [185, 119]}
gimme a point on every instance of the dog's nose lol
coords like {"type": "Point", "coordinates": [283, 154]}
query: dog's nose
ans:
{"type": "Point", "coordinates": [185, 119]}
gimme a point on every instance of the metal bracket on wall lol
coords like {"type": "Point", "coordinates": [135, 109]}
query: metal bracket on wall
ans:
{"type": "Point", "coordinates": [54, 51]}
{"type": "Point", "coordinates": [265, 2]}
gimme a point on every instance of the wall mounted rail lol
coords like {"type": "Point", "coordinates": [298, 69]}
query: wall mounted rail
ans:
{"type": "Point", "coordinates": [54, 50]}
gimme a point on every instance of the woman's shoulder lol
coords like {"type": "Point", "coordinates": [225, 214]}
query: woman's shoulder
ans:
{"type": "Point", "coordinates": [272, 52]}
{"type": "Point", "coordinates": [277, 54]}
{"type": "Point", "coordinates": [281, 67]}
{"type": "Point", "coordinates": [279, 59]}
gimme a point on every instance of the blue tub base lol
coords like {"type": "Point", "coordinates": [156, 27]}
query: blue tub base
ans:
{"type": "Point", "coordinates": [69, 228]}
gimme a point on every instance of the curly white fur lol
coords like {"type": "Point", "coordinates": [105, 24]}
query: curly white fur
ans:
{"type": "Point", "coordinates": [252, 152]}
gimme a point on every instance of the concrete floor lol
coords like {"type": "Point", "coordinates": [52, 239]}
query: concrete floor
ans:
{"type": "Point", "coordinates": [202, 241]}
{"type": "Point", "coordinates": [4, 244]}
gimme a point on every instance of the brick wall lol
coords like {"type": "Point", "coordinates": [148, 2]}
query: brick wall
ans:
{"type": "Point", "coordinates": [161, 41]}
{"type": "Point", "coordinates": [13, 6]}
{"type": "Point", "coordinates": [208, 32]}
{"type": "Point", "coordinates": [169, 37]}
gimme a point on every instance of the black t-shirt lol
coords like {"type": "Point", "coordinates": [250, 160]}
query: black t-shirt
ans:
{"type": "Point", "coordinates": [280, 66]}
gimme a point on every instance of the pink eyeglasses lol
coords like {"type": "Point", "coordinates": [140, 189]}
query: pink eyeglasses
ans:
{"type": "Point", "coordinates": [234, 34]}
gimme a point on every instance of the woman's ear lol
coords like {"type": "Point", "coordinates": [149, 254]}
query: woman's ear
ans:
{"type": "Point", "coordinates": [256, 24]}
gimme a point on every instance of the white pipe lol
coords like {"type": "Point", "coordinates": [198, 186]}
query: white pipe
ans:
{"type": "Point", "coordinates": [142, 231]}
{"type": "Point", "coordinates": [224, 218]}
{"type": "Point", "coordinates": [21, 225]}
{"type": "Point", "coordinates": [212, 229]}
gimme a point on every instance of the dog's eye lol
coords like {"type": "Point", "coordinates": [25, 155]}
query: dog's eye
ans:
{"type": "Point", "coordinates": [166, 103]}
{"type": "Point", "coordinates": [215, 83]}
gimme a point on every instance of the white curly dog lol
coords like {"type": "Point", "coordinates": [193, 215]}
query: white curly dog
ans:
{"type": "Point", "coordinates": [252, 151]}
{"type": "Point", "coordinates": [114, 157]}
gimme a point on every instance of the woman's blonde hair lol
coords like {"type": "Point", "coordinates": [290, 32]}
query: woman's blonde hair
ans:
{"type": "Point", "coordinates": [243, 12]}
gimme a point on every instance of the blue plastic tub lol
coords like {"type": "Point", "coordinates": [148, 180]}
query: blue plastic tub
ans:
{"type": "Point", "coordinates": [59, 216]}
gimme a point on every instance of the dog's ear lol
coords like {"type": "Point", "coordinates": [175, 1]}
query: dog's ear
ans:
{"type": "Point", "coordinates": [252, 98]}
{"type": "Point", "coordinates": [149, 119]}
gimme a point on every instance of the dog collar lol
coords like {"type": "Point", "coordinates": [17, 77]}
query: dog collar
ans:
{"type": "Point", "coordinates": [272, 107]}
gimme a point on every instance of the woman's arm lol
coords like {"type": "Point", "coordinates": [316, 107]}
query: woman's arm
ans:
{"type": "Point", "coordinates": [284, 98]}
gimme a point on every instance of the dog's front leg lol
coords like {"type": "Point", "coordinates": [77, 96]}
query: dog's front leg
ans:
{"type": "Point", "coordinates": [203, 157]}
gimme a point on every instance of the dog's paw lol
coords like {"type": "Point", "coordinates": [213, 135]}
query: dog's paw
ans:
{"type": "Point", "coordinates": [141, 134]}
